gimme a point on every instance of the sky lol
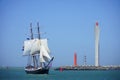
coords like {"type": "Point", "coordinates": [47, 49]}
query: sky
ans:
{"type": "Point", "coordinates": [69, 27]}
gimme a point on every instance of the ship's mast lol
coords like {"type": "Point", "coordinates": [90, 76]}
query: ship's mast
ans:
{"type": "Point", "coordinates": [34, 57]}
{"type": "Point", "coordinates": [31, 32]}
{"type": "Point", "coordinates": [31, 37]}
{"type": "Point", "coordinates": [38, 29]}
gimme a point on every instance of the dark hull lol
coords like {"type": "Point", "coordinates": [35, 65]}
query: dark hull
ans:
{"type": "Point", "coordinates": [37, 71]}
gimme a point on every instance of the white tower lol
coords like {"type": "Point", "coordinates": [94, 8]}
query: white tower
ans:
{"type": "Point", "coordinates": [97, 32]}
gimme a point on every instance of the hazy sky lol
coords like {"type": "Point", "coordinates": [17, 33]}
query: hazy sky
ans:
{"type": "Point", "coordinates": [69, 26]}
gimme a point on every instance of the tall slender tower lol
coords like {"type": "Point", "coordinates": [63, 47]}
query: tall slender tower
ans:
{"type": "Point", "coordinates": [97, 32]}
{"type": "Point", "coordinates": [75, 59]}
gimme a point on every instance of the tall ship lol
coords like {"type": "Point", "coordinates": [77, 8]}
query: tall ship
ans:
{"type": "Point", "coordinates": [38, 53]}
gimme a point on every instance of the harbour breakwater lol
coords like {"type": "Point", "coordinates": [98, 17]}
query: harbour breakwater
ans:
{"type": "Point", "coordinates": [88, 68]}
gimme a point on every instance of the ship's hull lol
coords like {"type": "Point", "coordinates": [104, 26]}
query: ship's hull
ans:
{"type": "Point", "coordinates": [37, 71]}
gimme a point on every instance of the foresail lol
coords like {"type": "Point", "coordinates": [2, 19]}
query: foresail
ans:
{"type": "Point", "coordinates": [27, 47]}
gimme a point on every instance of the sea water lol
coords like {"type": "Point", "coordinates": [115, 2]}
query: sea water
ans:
{"type": "Point", "coordinates": [19, 74]}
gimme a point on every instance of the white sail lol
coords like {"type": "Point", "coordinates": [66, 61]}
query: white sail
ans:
{"type": "Point", "coordinates": [46, 59]}
{"type": "Point", "coordinates": [45, 53]}
{"type": "Point", "coordinates": [45, 44]}
{"type": "Point", "coordinates": [44, 56]}
{"type": "Point", "coordinates": [35, 48]}
{"type": "Point", "coordinates": [41, 57]}
{"type": "Point", "coordinates": [27, 47]}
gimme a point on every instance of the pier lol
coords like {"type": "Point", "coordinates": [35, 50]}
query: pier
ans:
{"type": "Point", "coordinates": [88, 68]}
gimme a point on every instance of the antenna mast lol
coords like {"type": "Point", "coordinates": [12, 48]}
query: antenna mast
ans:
{"type": "Point", "coordinates": [85, 60]}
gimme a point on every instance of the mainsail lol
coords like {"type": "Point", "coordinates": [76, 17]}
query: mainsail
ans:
{"type": "Point", "coordinates": [35, 48]}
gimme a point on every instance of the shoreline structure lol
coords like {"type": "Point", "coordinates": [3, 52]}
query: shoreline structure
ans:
{"type": "Point", "coordinates": [97, 58]}
{"type": "Point", "coordinates": [88, 67]}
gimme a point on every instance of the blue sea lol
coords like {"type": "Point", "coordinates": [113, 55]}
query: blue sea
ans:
{"type": "Point", "coordinates": [19, 74]}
